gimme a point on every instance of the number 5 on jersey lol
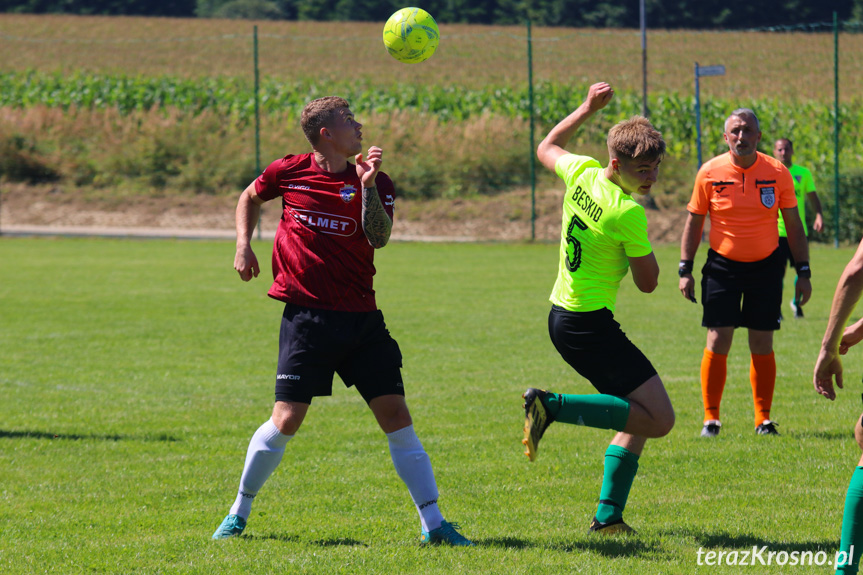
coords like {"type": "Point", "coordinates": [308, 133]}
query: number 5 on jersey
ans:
{"type": "Point", "coordinates": [573, 246]}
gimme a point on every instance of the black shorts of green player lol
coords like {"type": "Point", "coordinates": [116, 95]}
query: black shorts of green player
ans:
{"type": "Point", "coordinates": [742, 294]}
{"type": "Point", "coordinates": [593, 344]}
{"type": "Point", "coordinates": [315, 344]}
{"type": "Point", "coordinates": [785, 250]}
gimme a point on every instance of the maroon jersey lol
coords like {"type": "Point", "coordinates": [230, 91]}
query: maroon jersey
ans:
{"type": "Point", "coordinates": [321, 257]}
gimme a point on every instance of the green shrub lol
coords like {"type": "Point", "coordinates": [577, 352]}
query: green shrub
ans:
{"type": "Point", "coordinates": [850, 207]}
{"type": "Point", "coordinates": [20, 160]}
{"type": "Point", "coordinates": [249, 10]}
{"type": "Point", "coordinates": [172, 133]}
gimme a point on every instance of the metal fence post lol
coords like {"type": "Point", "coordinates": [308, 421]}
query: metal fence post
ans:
{"type": "Point", "coordinates": [257, 122]}
{"type": "Point", "coordinates": [532, 140]}
{"type": "Point", "coordinates": [836, 129]}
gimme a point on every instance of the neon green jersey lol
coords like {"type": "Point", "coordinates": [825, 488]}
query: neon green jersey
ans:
{"type": "Point", "coordinates": [602, 227]}
{"type": "Point", "coordinates": [803, 184]}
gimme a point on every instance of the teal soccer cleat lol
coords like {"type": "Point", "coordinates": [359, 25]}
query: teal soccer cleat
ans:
{"type": "Point", "coordinates": [232, 526]}
{"type": "Point", "coordinates": [446, 533]}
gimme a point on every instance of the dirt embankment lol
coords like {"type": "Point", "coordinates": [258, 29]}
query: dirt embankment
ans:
{"type": "Point", "coordinates": [503, 217]}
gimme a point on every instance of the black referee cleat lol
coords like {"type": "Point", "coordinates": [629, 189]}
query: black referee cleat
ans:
{"type": "Point", "coordinates": [711, 428]}
{"type": "Point", "coordinates": [536, 420]}
{"type": "Point", "coordinates": [767, 427]}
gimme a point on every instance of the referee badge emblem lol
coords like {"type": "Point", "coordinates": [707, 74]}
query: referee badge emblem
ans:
{"type": "Point", "coordinates": [347, 193]}
{"type": "Point", "coordinates": [768, 197]}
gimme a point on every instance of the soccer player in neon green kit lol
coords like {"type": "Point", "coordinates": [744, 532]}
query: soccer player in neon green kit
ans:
{"type": "Point", "coordinates": [604, 233]}
{"type": "Point", "coordinates": [804, 189]}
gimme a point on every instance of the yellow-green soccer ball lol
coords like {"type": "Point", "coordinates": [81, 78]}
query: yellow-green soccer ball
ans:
{"type": "Point", "coordinates": [411, 35]}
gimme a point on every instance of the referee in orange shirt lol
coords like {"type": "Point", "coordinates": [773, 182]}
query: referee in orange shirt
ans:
{"type": "Point", "coordinates": [741, 284]}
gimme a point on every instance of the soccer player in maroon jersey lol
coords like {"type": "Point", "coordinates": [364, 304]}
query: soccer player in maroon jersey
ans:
{"type": "Point", "coordinates": [334, 215]}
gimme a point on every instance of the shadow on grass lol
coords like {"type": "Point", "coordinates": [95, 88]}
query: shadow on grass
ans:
{"type": "Point", "coordinates": [78, 436]}
{"type": "Point", "coordinates": [830, 435]}
{"type": "Point", "coordinates": [503, 542]}
{"type": "Point", "coordinates": [608, 546]}
{"type": "Point", "coordinates": [339, 542]}
{"type": "Point", "coordinates": [285, 538]}
{"type": "Point", "coordinates": [282, 537]}
{"type": "Point", "coordinates": [745, 541]}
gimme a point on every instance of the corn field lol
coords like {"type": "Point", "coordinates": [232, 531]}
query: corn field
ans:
{"type": "Point", "coordinates": [147, 104]}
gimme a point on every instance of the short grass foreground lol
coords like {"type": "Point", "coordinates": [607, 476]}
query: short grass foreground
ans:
{"type": "Point", "coordinates": [133, 373]}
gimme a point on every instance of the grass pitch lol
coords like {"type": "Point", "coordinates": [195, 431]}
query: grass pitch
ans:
{"type": "Point", "coordinates": [133, 373]}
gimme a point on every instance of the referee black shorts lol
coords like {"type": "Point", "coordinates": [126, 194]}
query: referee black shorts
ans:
{"type": "Point", "coordinates": [595, 346]}
{"type": "Point", "coordinates": [742, 294]}
{"type": "Point", "coordinates": [314, 344]}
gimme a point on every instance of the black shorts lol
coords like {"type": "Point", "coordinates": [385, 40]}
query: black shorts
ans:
{"type": "Point", "coordinates": [742, 294]}
{"type": "Point", "coordinates": [314, 344]}
{"type": "Point", "coordinates": [595, 346]}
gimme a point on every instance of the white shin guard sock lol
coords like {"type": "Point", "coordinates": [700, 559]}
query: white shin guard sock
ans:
{"type": "Point", "coordinates": [413, 465]}
{"type": "Point", "coordinates": [265, 452]}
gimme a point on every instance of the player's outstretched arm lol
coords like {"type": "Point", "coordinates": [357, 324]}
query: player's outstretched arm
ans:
{"type": "Point", "coordinates": [852, 336]}
{"type": "Point", "coordinates": [248, 213]}
{"type": "Point", "coordinates": [827, 366]}
{"type": "Point", "coordinates": [848, 291]}
{"type": "Point", "coordinates": [552, 147]}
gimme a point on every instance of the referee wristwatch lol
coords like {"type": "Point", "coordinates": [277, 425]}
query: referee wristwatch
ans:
{"type": "Point", "coordinates": [803, 270]}
{"type": "Point", "coordinates": [685, 268]}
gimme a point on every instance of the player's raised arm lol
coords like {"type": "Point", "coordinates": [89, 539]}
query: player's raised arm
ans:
{"type": "Point", "coordinates": [248, 213]}
{"type": "Point", "coordinates": [552, 147]}
{"type": "Point", "coordinates": [377, 224]}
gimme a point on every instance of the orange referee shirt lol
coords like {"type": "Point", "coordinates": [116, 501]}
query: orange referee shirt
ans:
{"type": "Point", "coordinates": [743, 205]}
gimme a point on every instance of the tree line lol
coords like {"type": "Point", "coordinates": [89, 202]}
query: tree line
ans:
{"type": "Point", "coordinates": [669, 14]}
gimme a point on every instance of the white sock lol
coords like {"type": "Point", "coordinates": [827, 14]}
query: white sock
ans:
{"type": "Point", "coordinates": [413, 465]}
{"type": "Point", "coordinates": [265, 452]}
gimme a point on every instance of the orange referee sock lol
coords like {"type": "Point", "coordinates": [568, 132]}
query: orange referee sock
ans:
{"type": "Point", "coordinates": [762, 374]}
{"type": "Point", "coordinates": [713, 372]}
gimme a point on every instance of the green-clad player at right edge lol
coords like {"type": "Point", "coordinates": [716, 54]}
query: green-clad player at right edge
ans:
{"type": "Point", "coordinates": [604, 233]}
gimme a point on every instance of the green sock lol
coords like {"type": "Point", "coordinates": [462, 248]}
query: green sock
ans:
{"type": "Point", "coordinates": [852, 525]}
{"type": "Point", "coordinates": [621, 465]}
{"type": "Point", "coordinates": [599, 410]}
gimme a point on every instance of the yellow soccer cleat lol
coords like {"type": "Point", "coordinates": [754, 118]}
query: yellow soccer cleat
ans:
{"type": "Point", "coordinates": [536, 420]}
{"type": "Point", "coordinates": [613, 528]}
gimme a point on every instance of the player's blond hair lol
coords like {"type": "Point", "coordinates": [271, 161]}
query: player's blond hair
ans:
{"type": "Point", "coordinates": [319, 114]}
{"type": "Point", "coordinates": [635, 138]}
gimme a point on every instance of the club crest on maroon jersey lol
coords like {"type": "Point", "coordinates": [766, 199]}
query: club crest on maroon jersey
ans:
{"type": "Point", "coordinates": [347, 193]}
